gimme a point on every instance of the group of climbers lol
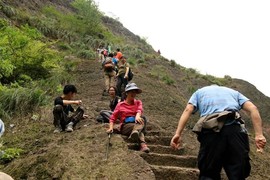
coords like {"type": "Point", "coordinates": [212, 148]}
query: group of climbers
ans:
{"type": "Point", "coordinates": [124, 108]}
{"type": "Point", "coordinates": [224, 141]}
{"type": "Point", "coordinates": [115, 68]}
{"type": "Point", "coordinates": [123, 103]}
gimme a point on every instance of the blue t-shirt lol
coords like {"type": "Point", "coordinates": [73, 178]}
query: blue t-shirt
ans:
{"type": "Point", "coordinates": [215, 99]}
{"type": "Point", "coordinates": [114, 60]}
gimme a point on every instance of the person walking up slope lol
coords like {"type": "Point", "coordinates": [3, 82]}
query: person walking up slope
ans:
{"type": "Point", "coordinates": [223, 139]}
{"type": "Point", "coordinates": [122, 75]}
{"type": "Point", "coordinates": [109, 73]}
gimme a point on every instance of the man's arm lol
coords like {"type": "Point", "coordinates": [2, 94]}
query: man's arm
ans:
{"type": "Point", "coordinates": [67, 102]}
{"type": "Point", "coordinates": [176, 140]}
{"type": "Point", "coordinates": [252, 110]}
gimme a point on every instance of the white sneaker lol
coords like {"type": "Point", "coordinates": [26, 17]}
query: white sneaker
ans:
{"type": "Point", "coordinates": [69, 127]}
{"type": "Point", "coordinates": [57, 130]}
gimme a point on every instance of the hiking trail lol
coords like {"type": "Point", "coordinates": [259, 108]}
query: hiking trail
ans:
{"type": "Point", "coordinates": [165, 162]}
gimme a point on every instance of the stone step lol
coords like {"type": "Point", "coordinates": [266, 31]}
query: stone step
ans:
{"type": "Point", "coordinates": [170, 160]}
{"type": "Point", "coordinates": [173, 173]}
{"type": "Point", "coordinates": [158, 149]}
{"type": "Point", "coordinates": [160, 140]}
{"type": "Point", "coordinates": [152, 133]}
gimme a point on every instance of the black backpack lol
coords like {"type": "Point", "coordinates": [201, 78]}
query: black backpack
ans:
{"type": "Point", "coordinates": [130, 74]}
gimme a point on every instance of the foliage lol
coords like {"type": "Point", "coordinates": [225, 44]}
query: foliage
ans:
{"type": "Point", "coordinates": [64, 47]}
{"type": "Point", "coordinates": [161, 73]}
{"type": "Point", "coordinates": [89, 14]}
{"type": "Point", "coordinates": [86, 21]}
{"type": "Point", "coordinates": [19, 100]}
{"type": "Point", "coordinates": [7, 10]}
{"type": "Point", "coordinates": [9, 154]}
{"type": "Point", "coordinates": [23, 54]}
{"type": "Point", "coordinates": [86, 54]}
{"type": "Point", "coordinates": [168, 80]}
{"type": "Point", "coordinates": [215, 80]}
{"type": "Point", "coordinates": [132, 61]}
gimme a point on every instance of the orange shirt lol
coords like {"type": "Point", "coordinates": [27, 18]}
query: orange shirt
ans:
{"type": "Point", "coordinates": [118, 55]}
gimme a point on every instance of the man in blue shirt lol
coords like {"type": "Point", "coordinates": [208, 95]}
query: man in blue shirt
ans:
{"type": "Point", "coordinates": [229, 147]}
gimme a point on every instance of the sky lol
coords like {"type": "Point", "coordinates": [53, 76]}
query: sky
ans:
{"type": "Point", "coordinates": [214, 37]}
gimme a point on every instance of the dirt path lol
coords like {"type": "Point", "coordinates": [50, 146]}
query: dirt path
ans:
{"type": "Point", "coordinates": [164, 162]}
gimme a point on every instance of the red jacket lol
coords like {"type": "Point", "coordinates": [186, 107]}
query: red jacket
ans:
{"type": "Point", "coordinates": [123, 110]}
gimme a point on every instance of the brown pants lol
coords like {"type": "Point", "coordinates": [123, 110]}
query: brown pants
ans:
{"type": "Point", "coordinates": [109, 79]}
{"type": "Point", "coordinates": [129, 127]}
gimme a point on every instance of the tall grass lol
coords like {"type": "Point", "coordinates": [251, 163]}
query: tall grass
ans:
{"type": "Point", "coordinates": [20, 101]}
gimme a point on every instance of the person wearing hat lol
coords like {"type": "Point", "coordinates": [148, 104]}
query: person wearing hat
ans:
{"type": "Point", "coordinates": [122, 75]}
{"type": "Point", "coordinates": [130, 113]}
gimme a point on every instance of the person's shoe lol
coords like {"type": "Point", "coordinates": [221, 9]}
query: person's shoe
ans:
{"type": "Point", "coordinates": [57, 130]}
{"type": "Point", "coordinates": [69, 127]}
{"type": "Point", "coordinates": [144, 148]}
{"type": "Point", "coordinates": [134, 136]}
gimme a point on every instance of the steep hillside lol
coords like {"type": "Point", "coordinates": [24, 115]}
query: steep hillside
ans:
{"type": "Point", "coordinates": [82, 154]}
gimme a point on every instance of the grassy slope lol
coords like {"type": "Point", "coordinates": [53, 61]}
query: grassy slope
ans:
{"type": "Point", "coordinates": [80, 155]}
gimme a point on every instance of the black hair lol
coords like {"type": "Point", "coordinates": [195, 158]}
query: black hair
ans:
{"type": "Point", "coordinates": [115, 89]}
{"type": "Point", "coordinates": [69, 88]}
{"type": "Point", "coordinates": [110, 55]}
{"type": "Point", "coordinates": [118, 49]}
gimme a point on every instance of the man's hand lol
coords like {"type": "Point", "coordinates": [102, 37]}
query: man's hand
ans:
{"type": "Point", "coordinates": [260, 143]}
{"type": "Point", "coordinates": [78, 102]}
{"type": "Point", "coordinates": [176, 142]}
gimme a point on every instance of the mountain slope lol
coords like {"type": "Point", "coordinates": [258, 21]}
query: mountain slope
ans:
{"type": "Point", "coordinates": [82, 154]}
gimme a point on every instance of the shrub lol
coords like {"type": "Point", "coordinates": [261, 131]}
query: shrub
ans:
{"type": "Point", "coordinates": [9, 154]}
{"type": "Point", "coordinates": [23, 53]}
{"type": "Point", "coordinates": [86, 54]}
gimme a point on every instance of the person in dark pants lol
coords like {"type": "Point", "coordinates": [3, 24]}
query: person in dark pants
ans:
{"type": "Point", "coordinates": [122, 75]}
{"type": "Point", "coordinates": [62, 107]}
{"type": "Point", "coordinates": [104, 116]}
{"type": "Point", "coordinates": [223, 138]}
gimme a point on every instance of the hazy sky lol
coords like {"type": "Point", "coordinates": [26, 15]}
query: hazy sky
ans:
{"type": "Point", "coordinates": [214, 37]}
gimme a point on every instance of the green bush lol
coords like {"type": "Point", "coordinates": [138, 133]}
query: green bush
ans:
{"type": "Point", "coordinates": [9, 154]}
{"type": "Point", "coordinates": [86, 54]}
{"type": "Point", "coordinates": [89, 15]}
{"type": "Point", "coordinates": [23, 53]}
{"type": "Point", "coordinates": [131, 61]}
{"type": "Point", "coordinates": [64, 46]}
